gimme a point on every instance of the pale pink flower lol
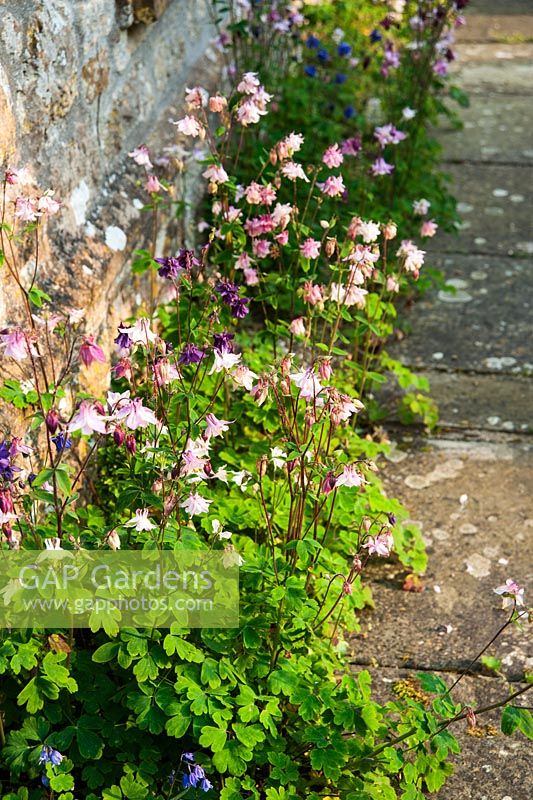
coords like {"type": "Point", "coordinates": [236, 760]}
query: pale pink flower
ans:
{"type": "Point", "coordinates": [196, 97]}
{"type": "Point", "coordinates": [268, 194]}
{"type": "Point", "coordinates": [196, 504]}
{"type": "Point", "coordinates": [389, 231]}
{"type": "Point", "coordinates": [189, 126]}
{"type": "Point", "coordinates": [440, 67]}
{"type": "Point", "coordinates": [17, 345]}
{"type": "Point", "coordinates": [310, 248]}
{"type": "Point", "coordinates": [282, 238]}
{"type": "Point", "coordinates": [113, 540]}
{"type": "Point", "coordinates": [217, 103]}
{"type": "Point", "coordinates": [362, 255]}
{"type": "Point", "coordinates": [414, 258]}
{"type": "Point", "coordinates": [47, 205]}
{"type": "Point", "coordinates": [165, 372]}
{"type": "Point", "coordinates": [140, 521]}
{"type": "Point", "coordinates": [251, 276]}
{"type": "Point", "coordinates": [290, 145]}
{"type": "Point", "coordinates": [135, 415]}
{"type": "Point", "coordinates": [216, 427]}
{"type": "Point", "coordinates": [380, 545]}
{"type": "Point", "coordinates": [408, 113]}
{"type": "Point", "coordinates": [249, 83]}
{"type": "Point", "coordinates": [25, 209]}
{"type": "Point", "coordinates": [281, 215]}
{"type": "Point", "coordinates": [253, 193]}
{"type": "Point", "coordinates": [428, 228]}
{"type": "Point", "coordinates": [381, 167]}
{"type": "Point", "coordinates": [224, 361]}
{"type": "Point", "coordinates": [141, 156]}
{"type": "Point", "coordinates": [325, 370]}
{"type": "Point", "coordinates": [421, 206]}
{"type": "Point", "coordinates": [216, 174]}
{"type": "Point", "coordinates": [313, 294]}
{"type": "Point", "coordinates": [192, 464]}
{"type": "Point", "coordinates": [333, 157]}
{"type": "Point", "coordinates": [88, 420]}
{"type": "Point", "coordinates": [232, 213]}
{"type": "Point", "coordinates": [297, 326]}
{"type": "Point", "coordinates": [388, 134]}
{"type": "Point", "coordinates": [152, 184]}
{"type": "Point", "coordinates": [117, 399]}
{"type": "Point", "coordinates": [392, 284]}
{"type": "Point", "coordinates": [293, 171]}
{"type": "Point", "coordinates": [91, 352]}
{"type": "Point", "coordinates": [260, 391]}
{"type": "Point", "coordinates": [513, 594]}
{"type": "Point", "coordinates": [350, 476]}
{"type": "Point", "coordinates": [140, 332]}
{"type": "Point", "coordinates": [243, 376]}
{"type": "Point", "coordinates": [243, 261]}
{"type": "Point", "coordinates": [333, 186]}
{"type": "Point", "coordinates": [307, 382]}
{"type": "Point", "coordinates": [249, 113]}
{"type": "Point", "coordinates": [261, 248]}
{"type": "Point", "coordinates": [231, 558]}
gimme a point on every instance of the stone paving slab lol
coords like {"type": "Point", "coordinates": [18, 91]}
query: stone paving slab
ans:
{"type": "Point", "coordinates": [474, 505]}
{"type": "Point", "coordinates": [485, 324]}
{"type": "Point", "coordinates": [494, 70]}
{"type": "Point", "coordinates": [495, 129]}
{"type": "Point", "coordinates": [492, 404]}
{"type": "Point", "coordinates": [496, 202]}
{"type": "Point", "coordinates": [511, 28]}
{"type": "Point", "coordinates": [489, 767]}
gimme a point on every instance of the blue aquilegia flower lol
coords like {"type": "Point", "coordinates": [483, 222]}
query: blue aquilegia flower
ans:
{"type": "Point", "coordinates": [50, 756]}
{"type": "Point", "coordinates": [62, 442]}
{"type": "Point", "coordinates": [194, 776]}
{"type": "Point", "coordinates": [310, 70]}
{"type": "Point", "coordinates": [344, 49]}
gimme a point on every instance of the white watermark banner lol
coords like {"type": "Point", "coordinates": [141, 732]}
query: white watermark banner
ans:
{"type": "Point", "coordinates": [128, 588]}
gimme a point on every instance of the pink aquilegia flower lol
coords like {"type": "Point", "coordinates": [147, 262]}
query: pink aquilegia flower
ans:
{"type": "Point", "coordinates": [141, 156]}
{"type": "Point", "coordinates": [310, 248]}
{"type": "Point", "coordinates": [513, 594]}
{"type": "Point", "coordinates": [26, 209]}
{"type": "Point", "coordinates": [428, 228]}
{"type": "Point", "coordinates": [216, 174]}
{"type": "Point", "coordinates": [381, 167]}
{"type": "Point", "coordinates": [216, 427]}
{"type": "Point", "coordinates": [350, 476]}
{"type": "Point", "coordinates": [91, 352]}
{"type": "Point", "coordinates": [196, 504]}
{"type": "Point", "coordinates": [135, 415]}
{"type": "Point", "coordinates": [297, 326]}
{"type": "Point", "coordinates": [313, 294]}
{"type": "Point", "coordinates": [88, 420]}
{"type": "Point", "coordinates": [217, 103]}
{"type": "Point", "coordinates": [421, 206]}
{"type": "Point", "coordinates": [293, 171]}
{"type": "Point", "coordinates": [47, 205]}
{"type": "Point", "coordinates": [333, 157]}
{"type": "Point", "coordinates": [308, 383]}
{"type": "Point", "coordinates": [334, 186]}
{"type": "Point", "coordinates": [249, 83]}
{"type": "Point", "coordinates": [380, 545]}
{"type": "Point", "coordinates": [17, 345]}
{"type": "Point", "coordinates": [140, 332]}
{"type": "Point", "coordinates": [251, 276]}
{"type": "Point", "coordinates": [196, 97]}
{"type": "Point", "coordinates": [189, 126]}
{"type": "Point", "coordinates": [413, 257]}
{"type": "Point", "coordinates": [152, 184]}
{"type": "Point", "coordinates": [140, 521]}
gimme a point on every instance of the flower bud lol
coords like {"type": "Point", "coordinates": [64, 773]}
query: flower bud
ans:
{"type": "Point", "coordinates": [392, 518]}
{"type": "Point", "coordinates": [118, 435]}
{"type": "Point", "coordinates": [113, 540]}
{"type": "Point", "coordinates": [324, 369]}
{"type": "Point", "coordinates": [357, 565]}
{"type": "Point", "coordinates": [208, 469]}
{"type": "Point", "coordinates": [389, 231]}
{"type": "Point", "coordinates": [328, 484]}
{"type": "Point", "coordinates": [471, 718]}
{"type": "Point", "coordinates": [261, 466]}
{"type": "Point", "coordinates": [131, 444]}
{"type": "Point", "coordinates": [367, 524]}
{"type": "Point", "coordinates": [98, 406]}
{"type": "Point", "coordinates": [52, 420]}
{"type": "Point", "coordinates": [347, 588]}
{"type": "Point", "coordinates": [331, 246]}
{"type": "Point", "coordinates": [157, 486]}
{"type": "Point", "coordinates": [6, 501]}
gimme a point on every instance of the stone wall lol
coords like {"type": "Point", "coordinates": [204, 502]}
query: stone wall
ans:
{"type": "Point", "coordinates": [82, 83]}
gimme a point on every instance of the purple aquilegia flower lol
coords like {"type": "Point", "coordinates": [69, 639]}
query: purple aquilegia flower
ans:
{"type": "Point", "coordinates": [239, 308]}
{"type": "Point", "coordinates": [229, 292]}
{"type": "Point", "coordinates": [223, 342]}
{"type": "Point", "coordinates": [123, 341]}
{"type": "Point", "coordinates": [62, 442]}
{"type": "Point", "coordinates": [7, 468]}
{"type": "Point", "coordinates": [194, 776]}
{"type": "Point", "coordinates": [191, 354]}
{"type": "Point", "coordinates": [170, 267]}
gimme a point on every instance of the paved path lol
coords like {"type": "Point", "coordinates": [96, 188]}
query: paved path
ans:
{"type": "Point", "coordinates": [471, 487]}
